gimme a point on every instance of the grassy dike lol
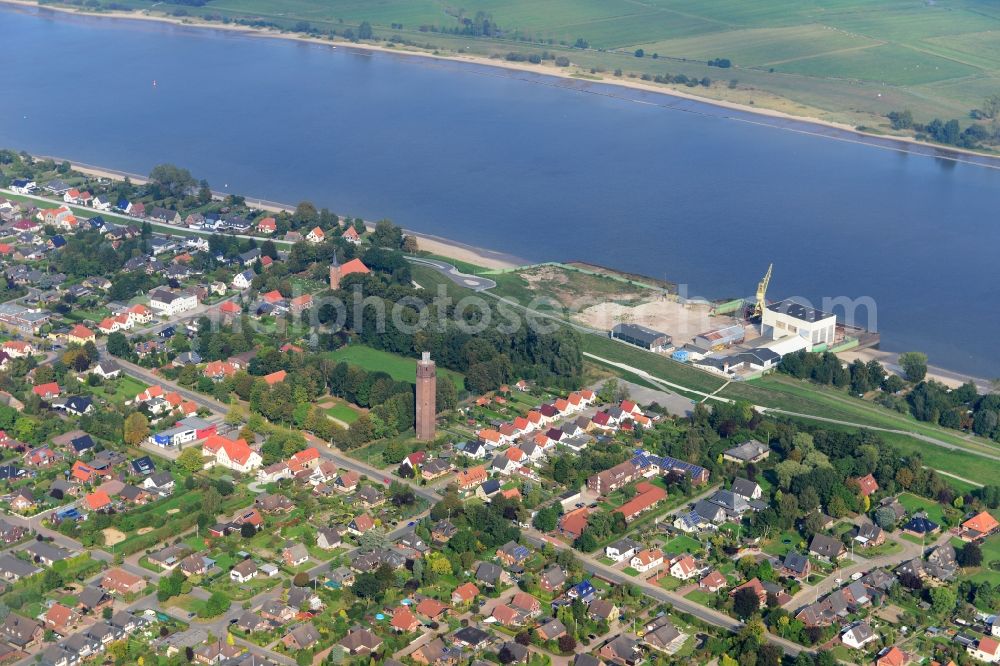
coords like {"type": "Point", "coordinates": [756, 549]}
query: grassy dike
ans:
{"type": "Point", "coordinates": [779, 392]}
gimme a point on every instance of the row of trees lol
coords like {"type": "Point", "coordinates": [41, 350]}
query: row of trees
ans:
{"type": "Point", "coordinates": [950, 132]}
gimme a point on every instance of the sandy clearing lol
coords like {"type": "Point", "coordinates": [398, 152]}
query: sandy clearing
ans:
{"type": "Point", "coordinates": [113, 537]}
{"type": "Point", "coordinates": [681, 322]}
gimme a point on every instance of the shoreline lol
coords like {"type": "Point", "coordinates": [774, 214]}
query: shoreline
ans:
{"type": "Point", "coordinates": [480, 256]}
{"type": "Point", "coordinates": [890, 360]}
{"type": "Point", "coordinates": [754, 115]}
{"type": "Point", "coordinates": [492, 259]}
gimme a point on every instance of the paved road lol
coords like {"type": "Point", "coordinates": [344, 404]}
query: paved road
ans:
{"type": "Point", "coordinates": [473, 282]}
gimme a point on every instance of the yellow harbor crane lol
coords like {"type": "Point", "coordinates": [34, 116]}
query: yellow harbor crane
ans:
{"type": "Point", "coordinates": [759, 306]}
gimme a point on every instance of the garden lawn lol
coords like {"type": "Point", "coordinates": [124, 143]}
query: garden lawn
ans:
{"type": "Point", "coordinates": [670, 583]}
{"type": "Point", "coordinates": [122, 389]}
{"type": "Point", "coordinates": [699, 596]}
{"type": "Point", "coordinates": [913, 504]}
{"type": "Point", "coordinates": [991, 554]}
{"type": "Point", "coordinates": [682, 544]}
{"type": "Point", "coordinates": [778, 546]}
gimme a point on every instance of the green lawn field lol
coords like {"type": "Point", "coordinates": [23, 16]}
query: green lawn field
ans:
{"type": "Point", "coordinates": [846, 59]}
{"type": "Point", "coordinates": [400, 368]}
{"type": "Point", "coordinates": [344, 413]}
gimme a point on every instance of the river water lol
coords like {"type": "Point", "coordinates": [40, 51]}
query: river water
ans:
{"type": "Point", "coordinates": [530, 166]}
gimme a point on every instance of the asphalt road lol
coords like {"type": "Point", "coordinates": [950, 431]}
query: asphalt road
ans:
{"type": "Point", "coordinates": [473, 282]}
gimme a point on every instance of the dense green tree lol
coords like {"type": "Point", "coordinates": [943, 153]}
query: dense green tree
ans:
{"type": "Point", "coordinates": [914, 365]}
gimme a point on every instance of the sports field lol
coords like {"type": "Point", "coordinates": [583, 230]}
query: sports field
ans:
{"type": "Point", "coordinates": [400, 368]}
{"type": "Point", "coordinates": [937, 58]}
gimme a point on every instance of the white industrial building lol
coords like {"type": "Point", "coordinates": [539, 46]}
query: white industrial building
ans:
{"type": "Point", "coordinates": [788, 318]}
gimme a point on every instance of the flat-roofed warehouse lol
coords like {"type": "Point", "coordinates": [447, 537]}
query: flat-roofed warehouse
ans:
{"type": "Point", "coordinates": [640, 336]}
{"type": "Point", "coordinates": [787, 317]}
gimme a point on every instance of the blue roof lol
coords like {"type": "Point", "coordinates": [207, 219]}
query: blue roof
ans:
{"type": "Point", "coordinates": [582, 589]}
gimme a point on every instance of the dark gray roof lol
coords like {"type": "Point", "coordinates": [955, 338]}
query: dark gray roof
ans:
{"type": "Point", "coordinates": [826, 546]}
{"type": "Point", "coordinates": [470, 635]}
{"type": "Point", "coordinates": [798, 311]}
{"type": "Point", "coordinates": [488, 572]}
{"type": "Point", "coordinates": [639, 333]}
{"type": "Point", "coordinates": [796, 562]}
{"type": "Point", "coordinates": [745, 487]}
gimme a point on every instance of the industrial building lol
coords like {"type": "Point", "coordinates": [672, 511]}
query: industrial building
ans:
{"type": "Point", "coordinates": [641, 336]}
{"type": "Point", "coordinates": [787, 318]}
{"type": "Point", "coordinates": [720, 338]}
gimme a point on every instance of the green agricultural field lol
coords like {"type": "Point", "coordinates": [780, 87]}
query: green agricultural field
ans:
{"type": "Point", "coordinates": [400, 368]}
{"type": "Point", "coordinates": [898, 64]}
{"type": "Point", "coordinates": [766, 46]}
{"type": "Point", "coordinates": [836, 59]}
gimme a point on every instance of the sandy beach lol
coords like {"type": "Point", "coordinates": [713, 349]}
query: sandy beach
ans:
{"type": "Point", "coordinates": [891, 361]}
{"type": "Point", "coordinates": [848, 132]}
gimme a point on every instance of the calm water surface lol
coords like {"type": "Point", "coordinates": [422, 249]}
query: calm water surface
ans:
{"type": "Point", "coordinates": [525, 165]}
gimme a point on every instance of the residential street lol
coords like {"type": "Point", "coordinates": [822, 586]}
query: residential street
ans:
{"type": "Point", "coordinates": [910, 550]}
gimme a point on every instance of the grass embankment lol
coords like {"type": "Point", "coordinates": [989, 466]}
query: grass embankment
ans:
{"type": "Point", "coordinates": [791, 395]}
{"type": "Point", "coordinates": [835, 60]}
{"type": "Point", "coordinates": [400, 368]}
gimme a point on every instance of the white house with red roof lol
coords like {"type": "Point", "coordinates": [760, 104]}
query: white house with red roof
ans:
{"type": "Point", "coordinates": [646, 559]}
{"type": "Point", "coordinates": [630, 408]}
{"type": "Point", "coordinates": [231, 454]}
{"type": "Point", "coordinates": [351, 235]}
{"type": "Point", "coordinates": [119, 322]}
{"type": "Point", "coordinates": [18, 348]}
{"type": "Point", "coordinates": [986, 649]}
{"type": "Point", "coordinates": [268, 225]}
{"type": "Point", "coordinates": [317, 235]}
{"type": "Point", "coordinates": [139, 314]}
{"type": "Point", "coordinates": [683, 567]}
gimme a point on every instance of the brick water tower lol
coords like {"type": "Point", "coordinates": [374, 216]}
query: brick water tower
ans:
{"type": "Point", "coordinates": [426, 392]}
